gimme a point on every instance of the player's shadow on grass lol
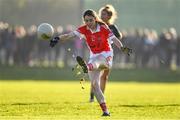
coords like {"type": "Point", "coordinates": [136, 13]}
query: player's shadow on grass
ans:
{"type": "Point", "coordinates": [165, 105]}
{"type": "Point", "coordinates": [40, 103]}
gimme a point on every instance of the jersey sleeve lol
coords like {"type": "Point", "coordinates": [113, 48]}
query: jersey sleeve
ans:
{"type": "Point", "coordinates": [79, 32]}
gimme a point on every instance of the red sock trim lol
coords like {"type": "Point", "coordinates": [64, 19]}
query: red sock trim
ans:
{"type": "Point", "coordinates": [103, 107]}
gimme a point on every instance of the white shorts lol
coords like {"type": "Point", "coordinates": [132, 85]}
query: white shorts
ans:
{"type": "Point", "coordinates": [103, 57]}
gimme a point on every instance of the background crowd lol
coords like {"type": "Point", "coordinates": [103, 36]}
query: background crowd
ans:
{"type": "Point", "coordinates": [20, 46]}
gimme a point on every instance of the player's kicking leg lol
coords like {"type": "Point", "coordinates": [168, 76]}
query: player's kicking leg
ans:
{"type": "Point", "coordinates": [82, 63]}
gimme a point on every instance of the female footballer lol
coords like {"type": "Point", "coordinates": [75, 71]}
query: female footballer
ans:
{"type": "Point", "coordinates": [98, 38]}
{"type": "Point", "coordinates": [108, 15]}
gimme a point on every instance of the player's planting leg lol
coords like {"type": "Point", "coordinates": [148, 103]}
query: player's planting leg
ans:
{"type": "Point", "coordinates": [100, 63]}
{"type": "Point", "coordinates": [96, 86]}
{"type": "Point", "coordinates": [95, 77]}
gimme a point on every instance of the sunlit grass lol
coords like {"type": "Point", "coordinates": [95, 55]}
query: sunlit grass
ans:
{"type": "Point", "coordinates": [67, 101]}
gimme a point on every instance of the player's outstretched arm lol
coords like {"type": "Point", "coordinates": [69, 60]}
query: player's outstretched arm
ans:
{"type": "Point", "coordinates": [118, 43]}
{"type": "Point", "coordinates": [62, 38]}
{"type": "Point", "coordinates": [68, 36]}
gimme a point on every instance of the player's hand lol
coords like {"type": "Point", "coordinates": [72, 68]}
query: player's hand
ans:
{"type": "Point", "coordinates": [54, 41]}
{"type": "Point", "coordinates": [126, 50]}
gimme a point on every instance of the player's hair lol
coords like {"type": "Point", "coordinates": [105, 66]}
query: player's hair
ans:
{"type": "Point", "coordinates": [92, 13]}
{"type": "Point", "coordinates": [110, 11]}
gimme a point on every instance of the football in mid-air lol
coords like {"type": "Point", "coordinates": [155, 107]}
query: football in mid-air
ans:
{"type": "Point", "coordinates": [45, 31]}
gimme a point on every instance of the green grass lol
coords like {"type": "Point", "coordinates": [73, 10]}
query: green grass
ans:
{"type": "Point", "coordinates": [138, 75]}
{"type": "Point", "coordinates": [67, 101]}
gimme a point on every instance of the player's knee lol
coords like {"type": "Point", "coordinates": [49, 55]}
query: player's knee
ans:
{"type": "Point", "coordinates": [105, 76]}
{"type": "Point", "coordinates": [95, 85]}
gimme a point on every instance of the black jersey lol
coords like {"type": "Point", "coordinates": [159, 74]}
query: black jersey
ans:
{"type": "Point", "coordinates": [115, 30]}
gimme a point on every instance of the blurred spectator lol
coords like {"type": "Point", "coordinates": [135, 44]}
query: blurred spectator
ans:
{"type": "Point", "coordinates": [149, 44]}
{"type": "Point", "coordinates": [31, 44]}
{"type": "Point", "coordinates": [167, 44]}
{"type": "Point", "coordinates": [138, 47]}
{"type": "Point", "coordinates": [21, 53]}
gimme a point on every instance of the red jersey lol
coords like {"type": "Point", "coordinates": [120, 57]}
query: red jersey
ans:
{"type": "Point", "coordinates": [97, 41]}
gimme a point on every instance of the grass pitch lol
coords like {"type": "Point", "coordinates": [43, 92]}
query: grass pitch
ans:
{"type": "Point", "coordinates": [67, 101]}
